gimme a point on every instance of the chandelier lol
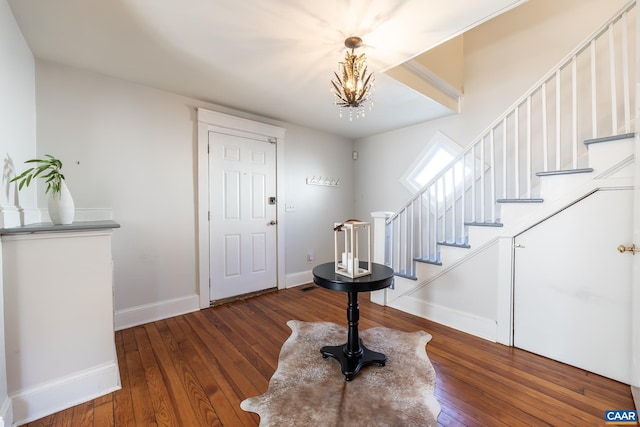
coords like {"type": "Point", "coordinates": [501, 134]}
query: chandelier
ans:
{"type": "Point", "coordinates": [352, 85]}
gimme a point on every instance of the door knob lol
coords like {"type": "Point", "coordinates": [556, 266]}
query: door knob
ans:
{"type": "Point", "coordinates": [272, 222]}
{"type": "Point", "coordinates": [622, 249]}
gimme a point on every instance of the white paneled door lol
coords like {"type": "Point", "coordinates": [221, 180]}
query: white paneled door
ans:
{"type": "Point", "coordinates": [573, 288]}
{"type": "Point", "coordinates": [242, 205]}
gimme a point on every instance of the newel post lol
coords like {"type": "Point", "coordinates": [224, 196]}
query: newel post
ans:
{"type": "Point", "coordinates": [378, 226]}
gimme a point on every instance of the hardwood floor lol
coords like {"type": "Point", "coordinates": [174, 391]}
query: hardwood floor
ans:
{"type": "Point", "coordinates": [195, 369]}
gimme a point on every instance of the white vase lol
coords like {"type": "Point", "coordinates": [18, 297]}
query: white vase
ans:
{"type": "Point", "coordinates": [61, 207]}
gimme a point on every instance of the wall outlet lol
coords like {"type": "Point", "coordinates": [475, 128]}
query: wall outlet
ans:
{"type": "Point", "coordinates": [310, 257]}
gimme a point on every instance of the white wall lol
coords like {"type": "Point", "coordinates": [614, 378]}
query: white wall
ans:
{"type": "Point", "coordinates": [17, 115]}
{"type": "Point", "coordinates": [134, 149]}
{"type": "Point", "coordinates": [17, 144]}
{"type": "Point", "coordinates": [503, 58]}
{"type": "Point", "coordinates": [309, 228]}
{"type": "Point", "coordinates": [129, 148]}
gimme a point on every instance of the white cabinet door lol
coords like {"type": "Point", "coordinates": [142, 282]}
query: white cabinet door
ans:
{"type": "Point", "coordinates": [572, 293]}
{"type": "Point", "coordinates": [242, 209]}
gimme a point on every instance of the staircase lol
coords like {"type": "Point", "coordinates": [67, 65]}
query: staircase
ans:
{"type": "Point", "coordinates": [550, 132]}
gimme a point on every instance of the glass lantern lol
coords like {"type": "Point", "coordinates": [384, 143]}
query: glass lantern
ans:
{"type": "Point", "coordinates": [352, 239]}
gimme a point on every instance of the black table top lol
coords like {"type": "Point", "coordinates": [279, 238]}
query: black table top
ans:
{"type": "Point", "coordinates": [325, 275]}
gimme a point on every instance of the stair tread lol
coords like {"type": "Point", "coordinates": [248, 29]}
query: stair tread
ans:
{"type": "Point", "coordinates": [519, 200]}
{"type": "Point", "coordinates": [610, 138]}
{"type": "Point", "coordinates": [484, 224]}
{"type": "Point", "coordinates": [427, 261]}
{"type": "Point", "coordinates": [565, 172]}
{"type": "Point", "coordinates": [405, 276]}
{"type": "Point", "coordinates": [455, 245]}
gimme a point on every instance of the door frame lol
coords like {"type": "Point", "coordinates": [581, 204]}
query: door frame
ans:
{"type": "Point", "coordinates": [635, 274]}
{"type": "Point", "coordinates": [214, 121]}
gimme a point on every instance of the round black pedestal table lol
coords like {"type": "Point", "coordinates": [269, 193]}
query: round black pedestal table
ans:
{"type": "Point", "coordinates": [353, 355]}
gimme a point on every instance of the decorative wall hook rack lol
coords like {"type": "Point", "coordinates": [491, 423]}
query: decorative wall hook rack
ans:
{"type": "Point", "coordinates": [323, 181]}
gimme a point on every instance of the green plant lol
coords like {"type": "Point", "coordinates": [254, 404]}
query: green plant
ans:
{"type": "Point", "coordinates": [47, 169]}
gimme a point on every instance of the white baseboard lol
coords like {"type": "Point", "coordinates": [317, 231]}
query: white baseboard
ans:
{"type": "Point", "coordinates": [6, 413]}
{"type": "Point", "coordinates": [297, 279]}
{"type": "Point", "coordinates": [465, 322]}
{"type": "Point", "coordinates": [60, 394]}
{"type": "Point", "coordinates": [142, 314]}
{"type": "Point", "coordinates": [635, 392]}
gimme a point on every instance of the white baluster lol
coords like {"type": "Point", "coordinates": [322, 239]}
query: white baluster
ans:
{"type": "Point", "coordinates": [594, 96]}
{"type": "Point", "coordinates": [528, 155]}
{"type": "Point", "coordinates": [558, 115]}
{"type": "Point", "coordinates": [482, 181]}
{"type": "Point", "coordinates": [574, 110]}
{"type": "Point", "coordinates": [625, 75]}
{"type": "Point", "coordinates": [614, 96]}
{"type": "Point", "coordinates": [545, 138]}
{"type": "Point", "coordinates": [492, 165]}
{"type": "Point", "coordinates": [516, 151]}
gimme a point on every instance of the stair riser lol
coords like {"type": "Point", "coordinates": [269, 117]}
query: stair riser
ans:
{"type": "Point", "coordinates": [478, 236]}
{"type": "Point", "coordinates": [514, 213]}
{"type": "Point", "coordinates": [603, 156]}
{"type": "Point", "coordinates": [451, 254]}
{"type": "Point", "coordinates": [555, 186]}
{"type": "Point", "coordinates": [427, 271]}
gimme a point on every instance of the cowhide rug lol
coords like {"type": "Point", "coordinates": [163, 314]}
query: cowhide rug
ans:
{"type": "Point", "coordinates": [309, 390]}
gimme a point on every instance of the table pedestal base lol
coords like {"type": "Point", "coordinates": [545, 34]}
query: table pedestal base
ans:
{"type": "Point", "coordinates": [351, 363]}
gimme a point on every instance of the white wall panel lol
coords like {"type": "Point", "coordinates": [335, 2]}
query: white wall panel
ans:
{"type": "Point", "coordinates": [231, 197]}
{"type": "Point", "coordinates": [258, 196]}
{"type": "Point", "coordinates": [232, 255]}
{"type": "Point", "coordinates": [259, 252]}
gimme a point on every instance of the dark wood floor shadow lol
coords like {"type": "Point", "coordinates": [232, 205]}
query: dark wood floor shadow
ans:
{"type": "Point", "coordinates": [195, 369]}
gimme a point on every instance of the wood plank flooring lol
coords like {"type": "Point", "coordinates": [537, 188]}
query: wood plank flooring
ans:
{"type": "Point", "coordinates": [195, 369]}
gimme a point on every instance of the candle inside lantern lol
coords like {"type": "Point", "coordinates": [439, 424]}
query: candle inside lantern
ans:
{"type": "Point", "coordinates": [347, 248]}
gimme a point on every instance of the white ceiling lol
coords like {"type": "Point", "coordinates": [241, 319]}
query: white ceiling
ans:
{"type": "Point", "coordinates": [273, 58]}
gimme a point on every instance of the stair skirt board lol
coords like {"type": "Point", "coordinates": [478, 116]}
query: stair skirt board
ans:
{"type": "Point", "coordinates": [519, 200]}
{"type": "Point", "coordinates": [610, 138]}
{"type": "Point", "coordinates": [565, 172]}
{"type": "Point", "coordinates": [462, 320]}
{"type": "Point", "coordinates": [471, 324]}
